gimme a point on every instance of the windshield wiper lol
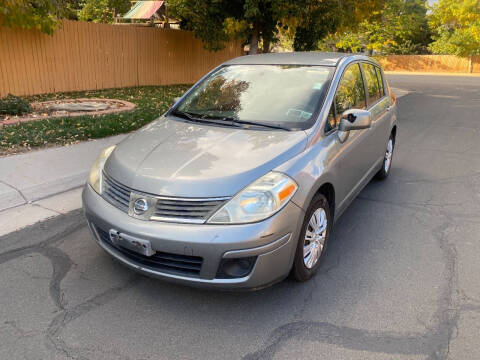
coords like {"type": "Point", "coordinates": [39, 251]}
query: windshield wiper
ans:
{"type": "Point", "coordinates": [262, 124]}
{"type": "Point", "coordinates": [203, 119]}
{"type": "Point", "coordinates": [185, 115]}
{"type": "Point", "coordinates": [246, 122]}
{"type": "Point", "coordinates": [225, 120]}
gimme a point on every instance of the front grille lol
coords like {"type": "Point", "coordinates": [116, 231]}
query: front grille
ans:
{"type": "Point", "coordinates": [188, 209]}
{"type": "Point", "coordinates": [173, 209]}
{"type": "Point", "coordinates": [115, 193]}
{"type": "Point", "coordinates": [160, 261]}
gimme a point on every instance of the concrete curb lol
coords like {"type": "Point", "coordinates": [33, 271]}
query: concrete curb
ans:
{"type": "Point", "coordinates": [19, 217]}
{"type": "Point", "coordinates": [28, 177]}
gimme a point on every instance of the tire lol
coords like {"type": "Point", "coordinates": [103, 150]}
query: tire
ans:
{"type": "Point", "coordinates": [387, 160]}
{"type": "Point", "coordinates": [302, 269]}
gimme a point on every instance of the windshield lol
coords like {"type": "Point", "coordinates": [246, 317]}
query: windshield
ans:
{"type": "Point", "coordinates": [285, 95]}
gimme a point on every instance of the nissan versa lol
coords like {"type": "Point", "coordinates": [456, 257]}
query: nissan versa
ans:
{"type": "Point", "coordinates": [239, 183]}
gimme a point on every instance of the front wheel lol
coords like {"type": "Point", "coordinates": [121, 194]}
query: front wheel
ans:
{"type": "Point", "coordinates": [387, 160]}
{"type": "Point", "coordinates": [312, 243]}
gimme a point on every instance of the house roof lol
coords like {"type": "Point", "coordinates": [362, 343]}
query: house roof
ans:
{"type": "Point", "coordinates": [143, 10]}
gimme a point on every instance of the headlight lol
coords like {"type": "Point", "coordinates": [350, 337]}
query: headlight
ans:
{"type": "Point", "coordinates": [95, 177]}
{"type": "Point", "coordinates": [258, 201]}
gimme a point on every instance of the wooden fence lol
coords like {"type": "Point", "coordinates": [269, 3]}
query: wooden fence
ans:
{"type": "Point", "coordinates": [87, 56]}
{"type": "Point", "coordinates": [431, 63]}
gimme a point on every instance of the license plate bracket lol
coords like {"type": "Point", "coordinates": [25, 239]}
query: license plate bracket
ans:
{"type": "Point", "coordinates": [141, 246]}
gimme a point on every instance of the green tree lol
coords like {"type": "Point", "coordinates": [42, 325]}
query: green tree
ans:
{"type": "Point", "coordinates": [102, 10]}
{"type": "Point", "coordinates": [317, 19]}
{"type": "Point", "coordinates": [399, 27]}
{"type": "Point", "coordinates": [218, 21]}
{"type": "Point", "coordinates": [259, 21]}
{"type": "Point", "coordinates": [44, 15]}
{"type": "Point", "coordinates": [213, 21]}
{"type": "Point", "coordinates": [73, 7]}
{"type": "Point", "coordinates": [456, 27]}
{"type": "Point", "coordinates": [313, 20]}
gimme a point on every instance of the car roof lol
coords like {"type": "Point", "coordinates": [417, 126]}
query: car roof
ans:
{"type": "Point", "coordinates": [294, 58]}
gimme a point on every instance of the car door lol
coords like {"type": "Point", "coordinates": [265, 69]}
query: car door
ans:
{"type": "Point", "coordinates": [352, 160]}
{"type": "Point", "coordinates": [378, 104]}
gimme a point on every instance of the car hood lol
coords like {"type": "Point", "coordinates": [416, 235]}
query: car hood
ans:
{"type": "Point", "coordinates": [176, 158]}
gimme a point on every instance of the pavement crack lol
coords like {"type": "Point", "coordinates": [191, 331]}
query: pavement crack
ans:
{"type": "Point", "coordinates": [61, 264]}
{"type": "Point", "coordinates": [345, 337]}
{"type": "Point", "coordinates": [38, 247]}
{"type": "Point", "coordinates": [60, 261]}
{"type": "Point", "coordinates": [435, 342]}
{"type": "Point", "coordinates": [54, 330]}
{"type": "Point", "coordinates": [447, 313]}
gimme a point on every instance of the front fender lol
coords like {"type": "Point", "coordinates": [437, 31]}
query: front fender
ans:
{"type": "Point", "coordinates": [310, 169]}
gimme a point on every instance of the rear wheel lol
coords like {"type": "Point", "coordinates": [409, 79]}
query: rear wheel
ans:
{"type": "Point", "coordinates": [312, 243]}
{"type": "Point", "coordinates": [387, 160]}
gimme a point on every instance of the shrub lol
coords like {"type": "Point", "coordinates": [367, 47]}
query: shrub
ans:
{"type": "Point", "coordinates": [14, 105]}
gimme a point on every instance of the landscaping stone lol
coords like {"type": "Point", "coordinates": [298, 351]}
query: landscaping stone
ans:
{"type": "Point", "coordinates": [70, 108]}
{"type": "Point", "coordinates": [83, 106]}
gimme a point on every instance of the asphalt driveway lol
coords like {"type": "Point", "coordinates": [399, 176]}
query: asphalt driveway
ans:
{"type": "Point", "coordinates": [401, 279]}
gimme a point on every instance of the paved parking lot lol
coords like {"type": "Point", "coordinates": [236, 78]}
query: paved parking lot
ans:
{"type": "Point", "coordinates": [401, 279]}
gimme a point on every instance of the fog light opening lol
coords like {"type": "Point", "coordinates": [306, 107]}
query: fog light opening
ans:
{"type": "Point", "coordinates": [235, 268]}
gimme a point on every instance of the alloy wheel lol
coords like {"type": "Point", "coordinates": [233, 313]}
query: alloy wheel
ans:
{"type": "Point", "coordinates": [388, 155]}
{"type": "Point", "coordinates": [315, 237]}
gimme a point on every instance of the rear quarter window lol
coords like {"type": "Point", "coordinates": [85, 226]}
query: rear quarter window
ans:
{"type": "Point", "coordinates": [380, 80]}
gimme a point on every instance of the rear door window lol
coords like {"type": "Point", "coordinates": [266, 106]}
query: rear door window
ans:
{"type": "Point", "coordinates": [373, 84]}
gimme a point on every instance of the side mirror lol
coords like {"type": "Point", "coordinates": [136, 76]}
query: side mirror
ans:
{"type": "Point", "coordinates": [355, 119]}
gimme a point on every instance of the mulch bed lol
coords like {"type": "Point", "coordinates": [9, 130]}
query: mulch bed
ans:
{"type": "Point", "coordinates": [43, 110]}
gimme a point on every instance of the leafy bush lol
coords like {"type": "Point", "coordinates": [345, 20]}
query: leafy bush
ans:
{"type": "Point", "coordinates": [14, 105]}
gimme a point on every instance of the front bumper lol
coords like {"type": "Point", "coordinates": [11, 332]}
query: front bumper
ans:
{"type": "Point", "coordinates": [272, 241]}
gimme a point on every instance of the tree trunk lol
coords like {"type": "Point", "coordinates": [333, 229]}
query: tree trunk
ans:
{"type": "Point", "coordinates": [266, 46]}
{"type": "Point", "coordinates": [470, 64]}
{"type": "Point", "coordinates": [254, 41]}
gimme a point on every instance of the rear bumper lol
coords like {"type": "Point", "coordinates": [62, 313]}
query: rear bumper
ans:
{"type": "Point", "coordinates": [272, 242]}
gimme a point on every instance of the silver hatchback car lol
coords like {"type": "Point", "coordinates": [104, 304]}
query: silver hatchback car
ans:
{"type": "Point", "coordinates": [239, 183]}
